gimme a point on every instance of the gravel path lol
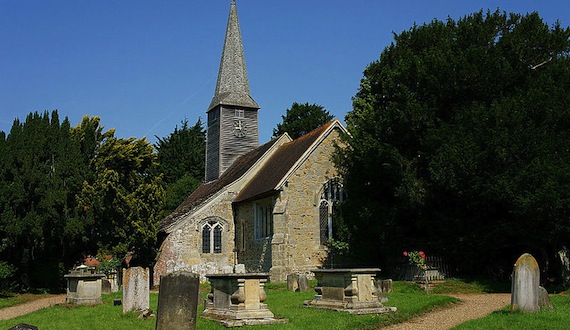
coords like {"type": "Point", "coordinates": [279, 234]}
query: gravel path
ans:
{"type": "Point", "coordinates": [472, 306]}
{"type": "Point", "coordinates": [32, 306]}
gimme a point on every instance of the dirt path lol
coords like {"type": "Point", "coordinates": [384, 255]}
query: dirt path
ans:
{"type": "Point", "coordinates": [32, 306]}
{"type": "Point", "coordinates": [472, 306]}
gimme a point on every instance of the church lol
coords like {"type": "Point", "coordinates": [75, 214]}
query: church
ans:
{"type": "Point", "coordinates": [268, 207]}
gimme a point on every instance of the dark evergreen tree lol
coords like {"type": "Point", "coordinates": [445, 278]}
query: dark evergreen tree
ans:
{"type": "Point", "coordinates": [300, 119]}
{"type": "Point", "coordinates": [460, 143]}
{"type": "Point", "coordinates": [181, 156]}
{"type": "Point", "coordinates": [40, 177]}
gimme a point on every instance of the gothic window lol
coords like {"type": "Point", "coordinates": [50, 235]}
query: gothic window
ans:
{"type": "Point", "coordinates": [332, 193]}
{"type": "Point", "coordinates": [263, 213]}
{"type": "Point", "coordinates": [212, 237]}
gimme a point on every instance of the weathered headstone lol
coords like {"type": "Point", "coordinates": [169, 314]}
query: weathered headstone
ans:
{"type": "Point", "coordinates": [298, 283]}
{"type": "Point", "coordinates": [384, 285]}
{"type": "Point", "coordinates": [304, 283]}
{"type": "Point", "coordinates": [293, 282]}
{"type": "Point", "coordinates": [135, 289]}
{"type": "Point", "coordinates": [178, 301]}
{"type": "Point", "coordinates": [543, 299]}
{"type": "Point", "coordinates": [526, 280]}
{"type": "Point", "coordinates": [105, 286]}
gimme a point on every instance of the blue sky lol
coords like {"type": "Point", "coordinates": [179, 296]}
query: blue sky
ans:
{"type": "Point", "coordinates": [143, 66]}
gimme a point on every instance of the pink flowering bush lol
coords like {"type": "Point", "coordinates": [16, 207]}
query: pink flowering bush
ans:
{"type": "Point", "coordinates": [417, 258]}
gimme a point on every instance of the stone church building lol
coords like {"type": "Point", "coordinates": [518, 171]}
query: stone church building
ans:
{"type": "Point", "coordinates": [267, 207]}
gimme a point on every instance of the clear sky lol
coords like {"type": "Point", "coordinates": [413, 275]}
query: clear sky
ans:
{"type": "Point", "coordinates": [143, 66]}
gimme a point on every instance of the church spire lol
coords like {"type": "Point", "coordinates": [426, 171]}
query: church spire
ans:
{"type": "Point", "coordinates": [232, 87]}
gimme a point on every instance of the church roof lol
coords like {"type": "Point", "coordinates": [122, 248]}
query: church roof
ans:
{"type": "Point", "coordinates": [207, 190]}
{"type": "Point", "coordinates": [232, 87]}
{"type": "Point", "coordinates": [280, 164]}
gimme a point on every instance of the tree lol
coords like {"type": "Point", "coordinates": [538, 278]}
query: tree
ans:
{"type": "Point", "coordinates": [460, 142]}
{"type": "Point", "coordinates": [40, 174]}
{"type": "Point", "coordinates": [300, 119]}
{"type": "Point", "coordinates": [124, 199]}
{"type": "Point", "coordinates": [181, 156]}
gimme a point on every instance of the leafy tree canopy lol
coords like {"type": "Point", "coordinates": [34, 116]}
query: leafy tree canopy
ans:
{"type": "Point", "coordinates": [183, 152]}
{"type": "Point", "coordinates": [41, 171]}
{"type": "Point", "coordinates": [460, 142]}
{"type": "Point", "coordinates": [181, 156]}
{"type": "Point", "coordinates": [124, 198]}
{"type": "Point", "coordinates": [300, 119]}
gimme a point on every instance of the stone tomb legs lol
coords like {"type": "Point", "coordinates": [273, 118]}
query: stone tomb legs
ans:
{"type": "Point", "coordinates": [238, 299]}
{"type": "Point", "coordinates": [348, 290]}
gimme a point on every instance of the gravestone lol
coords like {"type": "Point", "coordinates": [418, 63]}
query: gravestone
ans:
{"type": "Point", "coordinates": [293, 282]}
{"type": "Point", "coordinates": [524, 289]}
{"type": "Point", "coordinates": [298, 283]}
{"type": "Point", "coordinates": [543, 299]}
{"type": "Point", "coordinates": [178, 301]}
{"type": "Point", "coordinates": [304, 283]}
{"type": "Point", "coordinates": [105, 286]}
{"type": "Point", "coordinates": [135, 289]}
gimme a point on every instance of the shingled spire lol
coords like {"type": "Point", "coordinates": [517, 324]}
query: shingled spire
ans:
{"type": "Point", "coordinates": [232, 87]}
{"type": "Point", "coordinates": [232, 116]}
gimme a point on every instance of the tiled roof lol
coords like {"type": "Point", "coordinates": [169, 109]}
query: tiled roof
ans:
{"type": "Point", "coordinates": [207, 190]}
{"type": "Point", "coordinates": [279, 164]}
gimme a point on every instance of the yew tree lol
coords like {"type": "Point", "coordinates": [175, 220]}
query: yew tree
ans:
{"type": "Point", "coordinates": [460, 143]}
{"type": "Point", "coordinates": [123, 197]}
{"type": "Point", "coordinates": [302, 118]}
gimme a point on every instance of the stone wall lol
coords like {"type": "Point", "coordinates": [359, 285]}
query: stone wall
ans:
{"type": "Point", "coordinates": [182, 248]}
{"type": "Point", "coordinates": [295, 245]}
{"type": "Point", "coordinates": [254, 253]}
{"type": "Point", "coordinates": [302, 250]}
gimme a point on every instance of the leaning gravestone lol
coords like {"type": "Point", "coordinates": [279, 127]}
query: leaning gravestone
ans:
{"type": "Point", "coordinates": [525, 285]}
{"type": "Point", "coordinates": [135, 289]}
{"type": "Point", "coordinates": [178, 301]}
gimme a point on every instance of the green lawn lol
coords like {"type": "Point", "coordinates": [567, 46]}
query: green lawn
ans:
{"type": "Point", "coordinates": [407, 298]}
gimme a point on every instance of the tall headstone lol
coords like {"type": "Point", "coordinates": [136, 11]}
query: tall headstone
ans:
{"type": "Point", "coordinates": [136, 290]}
{"type": "Point", "coordinates": [526, 280]}
{"type": "Point", "coordinates": [178, 301]}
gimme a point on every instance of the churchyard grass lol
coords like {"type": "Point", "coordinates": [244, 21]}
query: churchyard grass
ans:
{"type": "Point", "coordinates": [559, 318]}
{"type": "Point", "coordinates": [408, 298]}
{"type": "Point", "coordinates": [453, 285]}
{"type": "Point", "coordinates": [16, 299]}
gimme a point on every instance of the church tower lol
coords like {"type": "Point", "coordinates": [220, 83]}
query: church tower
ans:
{"type": "Point", "coordinates": [232, 116]}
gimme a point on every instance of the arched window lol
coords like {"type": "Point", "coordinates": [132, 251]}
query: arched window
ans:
{"type": "Point", "coordinates": [332, 193]}
{"type": "Point", "coordinates": [212, 237]}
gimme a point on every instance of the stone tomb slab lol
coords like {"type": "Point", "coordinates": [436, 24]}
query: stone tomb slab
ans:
{"type": "Point", "coordinates": [83, 288]}
{"type": "Point", "coordinates": [348, 290]}
{"type": "Point", "coordinates": [237, 299]}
